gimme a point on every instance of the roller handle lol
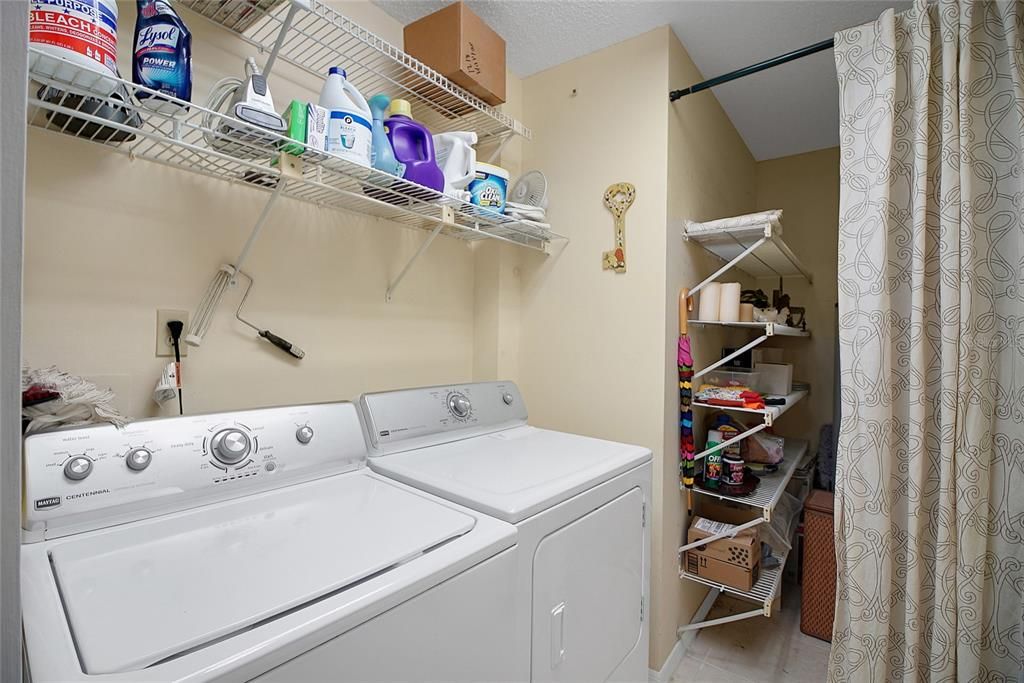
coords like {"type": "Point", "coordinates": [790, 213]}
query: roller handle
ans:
{"type": "Point", "coordinates": [282, 344]}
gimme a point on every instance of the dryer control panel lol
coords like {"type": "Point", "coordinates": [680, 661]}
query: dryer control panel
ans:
{"type": "Point", "coordinates": [413, 418]}
{"type": "Point", "coordinates": [86, 478]}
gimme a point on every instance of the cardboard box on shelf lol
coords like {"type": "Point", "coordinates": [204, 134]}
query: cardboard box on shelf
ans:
{"type": "Point", "coordinates": [734, 562]}
{"type": "Point", "coordinates": [721, 572]}
{"type": "Point", "coordinates": [457, 43]}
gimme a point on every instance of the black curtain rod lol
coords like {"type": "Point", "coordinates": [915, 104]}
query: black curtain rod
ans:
{"type": "Point", "coordinates": [752, 69]}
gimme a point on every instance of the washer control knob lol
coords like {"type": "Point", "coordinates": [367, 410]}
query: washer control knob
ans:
{"type": "Point", "coordinates": [304, 434]}
{"type": "Point", "coordinates": [138, 459]}
{"type": "Point", "coordinates": [230, 446]}
{"type": "Point", "coordinates": [507, 398]}
{"type": "Point", "coordinates": [77, 468]}
{"type": "Point", "coordinates": [459, 405]}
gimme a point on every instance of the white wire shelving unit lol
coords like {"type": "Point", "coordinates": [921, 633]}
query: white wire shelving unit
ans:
{"type": "Point", "coordinates": [758, 251]}
{"type": "Point", "coordinates": [311, 36]}
{"type": "Point", "coordinates": [765, 499]}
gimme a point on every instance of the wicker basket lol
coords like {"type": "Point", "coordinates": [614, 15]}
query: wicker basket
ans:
{"type": "Point", "coordinates": [818, 595]}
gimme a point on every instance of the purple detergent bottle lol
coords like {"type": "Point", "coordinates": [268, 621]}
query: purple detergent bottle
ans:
{"type": "Point", "coordinates": [413, 147]}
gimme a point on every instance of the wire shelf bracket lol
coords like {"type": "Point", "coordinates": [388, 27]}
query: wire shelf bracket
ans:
{"type": "Point", "coordinates": [419, 252]}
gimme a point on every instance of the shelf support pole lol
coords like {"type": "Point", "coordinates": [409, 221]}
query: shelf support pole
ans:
{"type": "Point", "coordinates": [721, 620]}
{"type": "Point", "coordinates": [419, 252]}
{"type": "Point", "coordinates": [729, 442]}
{"type": "Point", "coordinates": [500, 148]}
{"type": "Point", "coordinates": [260, 222]}
{"type": "Point", "coordinates": [734, 354]}
{"type": "Point", "coordinates": [745, 253]}
{"type": "Point", "coordinates": [269, 65]}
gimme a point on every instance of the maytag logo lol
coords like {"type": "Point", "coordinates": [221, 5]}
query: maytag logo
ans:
{"type": "Point", "coordinates": [47, 503]}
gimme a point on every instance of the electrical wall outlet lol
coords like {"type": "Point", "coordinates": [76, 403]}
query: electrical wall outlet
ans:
{"type": "Point", "coordinates": [163, 335]}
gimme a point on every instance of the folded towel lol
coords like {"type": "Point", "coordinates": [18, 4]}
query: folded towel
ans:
{"type": "Point", "coordinates": [750, 220]}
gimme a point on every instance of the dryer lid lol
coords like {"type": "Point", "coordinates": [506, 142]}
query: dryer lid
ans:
{"type": "Point", "coordinates": [140, 593]}
{"type": "Point", "coordinates": [514, 473]}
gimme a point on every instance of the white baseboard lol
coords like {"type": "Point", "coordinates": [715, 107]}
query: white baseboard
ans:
{"type": "Point", "coordinates": [675, 657]}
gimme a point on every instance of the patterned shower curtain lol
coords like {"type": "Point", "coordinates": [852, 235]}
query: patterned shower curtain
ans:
{"type": "Point", "coordinates": [930, 483]}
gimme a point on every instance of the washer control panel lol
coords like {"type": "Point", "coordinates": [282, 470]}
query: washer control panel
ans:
{"type": "Point", "coordinates": [89, 477]}
{"type": "Point", "coordinates": [413, 418]}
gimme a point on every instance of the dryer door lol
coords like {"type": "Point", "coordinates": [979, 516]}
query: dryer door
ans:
{"type": "Point", "coordinates": [587, 590]}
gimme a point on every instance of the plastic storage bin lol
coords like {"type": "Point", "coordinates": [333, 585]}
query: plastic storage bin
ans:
{"type": "Point", "coordinates": [733, 378]}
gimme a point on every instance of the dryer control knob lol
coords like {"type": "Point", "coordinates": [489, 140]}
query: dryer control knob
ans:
{"type": "Point", "coordinates": [77, 468]}
{"type": "Point", "coordinates": [507, 398]}
{"type": "Point", "coordinates": [138, 459]}
{"type": "Point", "coordinates": [304, 434]}
{"type": "Point", "coordinates": [230, 446]}
{"type": "Point", "coordinates": [459, 405]}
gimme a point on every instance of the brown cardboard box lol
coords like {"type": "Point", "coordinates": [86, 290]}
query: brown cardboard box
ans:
{"type": "Point", "coordinates": [735, 562]}
{"type": "Point", "coordinates": [722, 572]}
{"type": "Point", "coordinates": [464, 49]}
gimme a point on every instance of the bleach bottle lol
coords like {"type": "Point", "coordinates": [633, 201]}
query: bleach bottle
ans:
{"type": "Point", "coordinates": [413, 147]}
{"type": "Point", "coordinates": [82, 34]}
{"type": "Point", "coordinates": [349, 133]}
{"type": "Point", "coordinates": [162, 60]}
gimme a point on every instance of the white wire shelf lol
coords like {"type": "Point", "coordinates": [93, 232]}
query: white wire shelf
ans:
{"type": "Point", "coordinates": [770, 413]}
{"type": "Point", "coordinates": [758, 251]}
{"type": "Point", "coordinates": [772, 486]}
{"type": "Point", "coordinates": [764, 591]}
{"type": "Point", "coordinates": [769, 329]}
{"type": "Point", "coordinates": [313, 36]}
{"type": "Point", "coordinates": [190, 139]}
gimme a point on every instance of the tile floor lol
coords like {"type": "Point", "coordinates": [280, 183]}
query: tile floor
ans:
{"type": "Point", "coordinates": [755, 650]}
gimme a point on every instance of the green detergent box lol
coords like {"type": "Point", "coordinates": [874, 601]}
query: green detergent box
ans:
{"type": "Point", "coordinates": [307, 123]}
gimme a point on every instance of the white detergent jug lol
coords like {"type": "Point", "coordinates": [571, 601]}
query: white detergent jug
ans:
{"type": "Point", "coordinates": [457, 159]}
{"type": "Point", "coordinates": [349, 131]}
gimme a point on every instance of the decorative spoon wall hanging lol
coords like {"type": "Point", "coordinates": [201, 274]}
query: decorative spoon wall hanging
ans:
{"type": "Point", "coordinates": [618, 198]}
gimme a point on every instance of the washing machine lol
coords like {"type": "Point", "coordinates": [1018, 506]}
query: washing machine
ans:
{"type": "Point", "coordinates": [581, 506]}
{"type": "Point", "coordinates": [253, 545]}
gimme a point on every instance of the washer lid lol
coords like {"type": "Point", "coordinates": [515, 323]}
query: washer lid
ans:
{"type": "Point", "coordinates": [140, 593]}
{"type": "Point", "coordinates": [515, 473]}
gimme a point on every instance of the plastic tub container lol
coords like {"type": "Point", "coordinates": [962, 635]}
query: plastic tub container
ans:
{"type": "Point", "coordinates": [733, 378]}
{"type": "Point", "coordinates": [489, 188]}
{"type": "Point", "coordinates": [732, 470]}
{"type": "Point", "coordinates": [78, 39]}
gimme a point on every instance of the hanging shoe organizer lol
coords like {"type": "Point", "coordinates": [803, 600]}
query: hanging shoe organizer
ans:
{"type": "Point", "coordinates": [757, 250]}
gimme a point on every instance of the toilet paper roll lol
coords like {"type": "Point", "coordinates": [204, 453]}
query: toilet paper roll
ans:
{"type": "Point", "coordinates": [729, 303]}
{"type": "Point", "coordinates": [746, 313]}
{"type": "Point", "coordinates": [710, 296]}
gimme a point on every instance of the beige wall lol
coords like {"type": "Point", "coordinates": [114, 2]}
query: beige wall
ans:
{"type": "Point", "coordinates": [110, 240]}
{"type": "Point", "coordinates": [590, 343]}
{"type": "Point", "coordinates": [806, 188]}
